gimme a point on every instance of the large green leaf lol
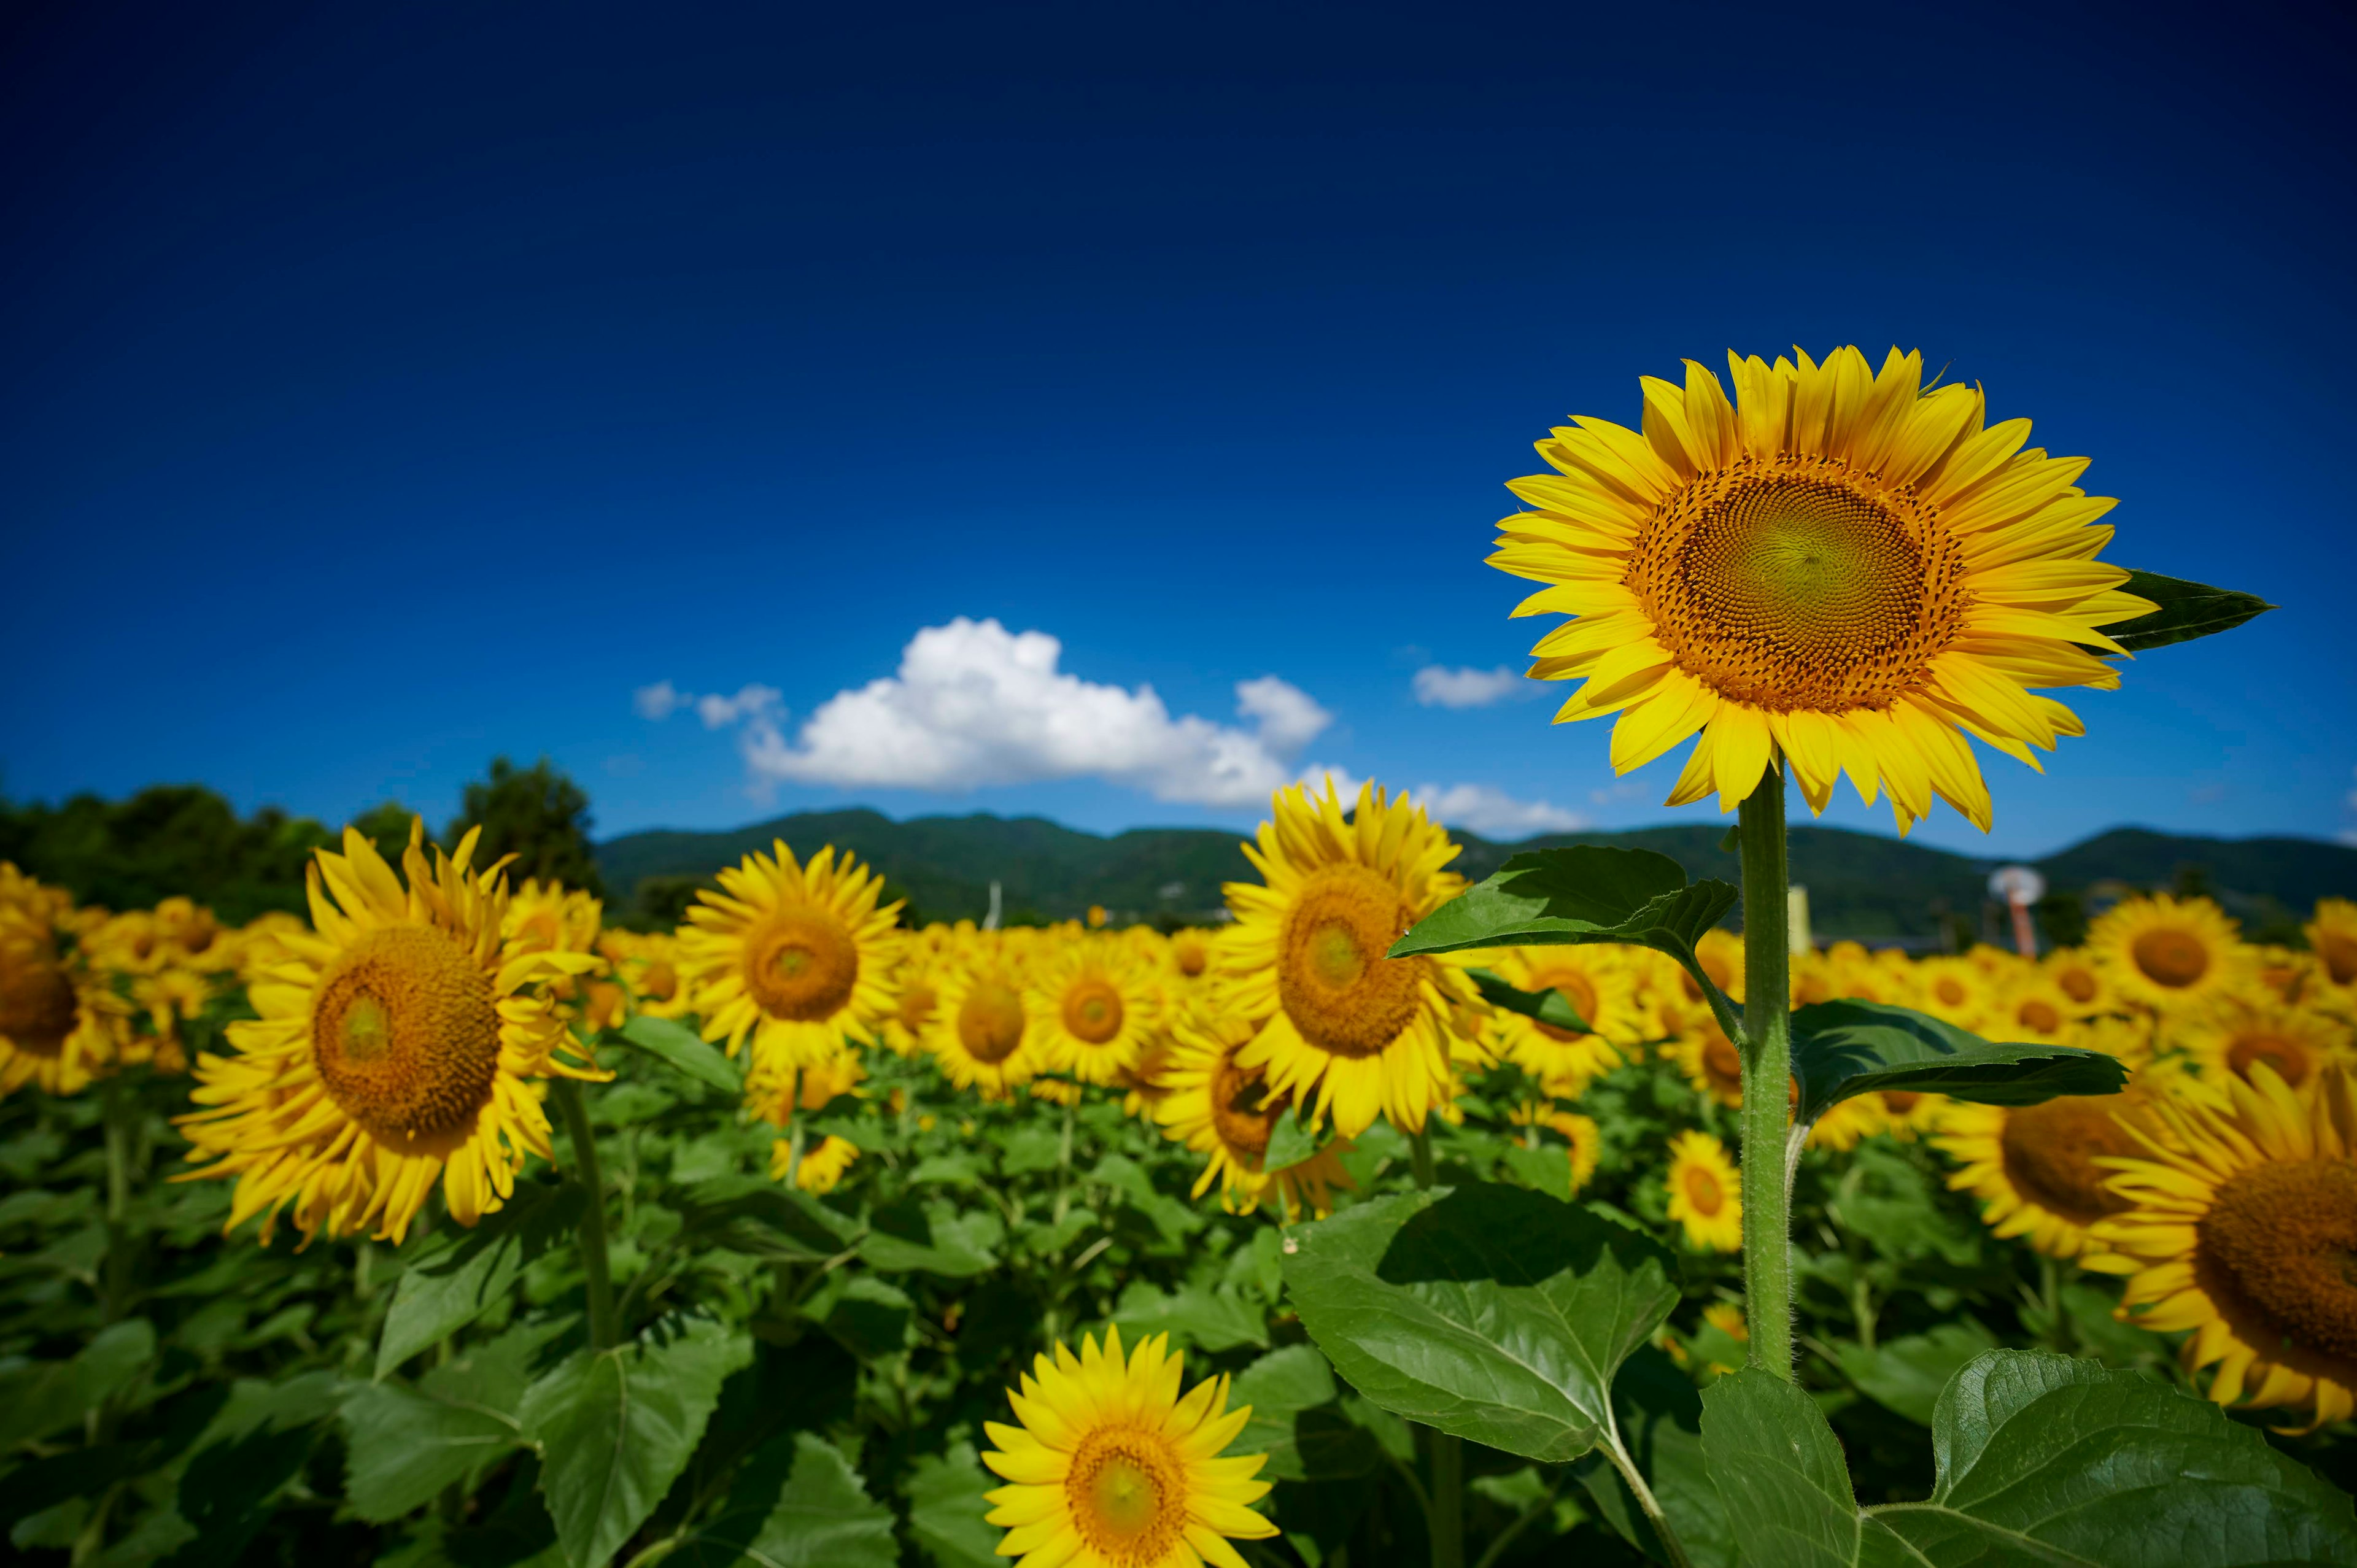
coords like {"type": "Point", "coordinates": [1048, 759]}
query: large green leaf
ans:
{"type": "Point", "coordinates": [1846, 1049]}
{"type": "Point", "coordinates": [947, 1504]}
{"type": "Point", "coordinates": [401, 1446]}
{"type": "Point", "coordinates": [797, 1503]}
{"type": "Point", "coordinates": [934, 1237]}
{"type": "Point", "coordinates": [1584, 894]}
{"type": "Point", "coordinates": [1907, 1374]}
{"type": "Point", "coordinates": [1490, 1312]}
{"type": "Point", "coordinates": [672, 1042]}
{"type": "Point", "coordinates": [1211, 1320]}
{"type": "Point", "coordinates": [614, 1427]}
{"type": "Point", "coordinates": [2042, 1459]}
{"type": "Point", "coordinates": [37, 1398]}
{"type": "Point", "coordinates": [1547, 1006]}
{"type": "Point", "coordinates": [254, 1444]}
{"type": "Point", "coordinates": [451, 1285]}
{"type": "Point", "coordinates": [2186, 610]}
{"type": "Point", "coordinates": [1297, 1420]}
{"type": "Point", "coordinates": [756, 1216]}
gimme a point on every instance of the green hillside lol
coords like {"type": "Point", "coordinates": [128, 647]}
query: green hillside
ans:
{"type": "Point", "coordinates": [1861, 884]}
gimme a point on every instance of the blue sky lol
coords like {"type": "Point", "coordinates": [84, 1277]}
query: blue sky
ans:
{"type": "Point", "coordinates": [389, 389]}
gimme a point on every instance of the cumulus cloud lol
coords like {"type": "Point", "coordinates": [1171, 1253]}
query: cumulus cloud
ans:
{"type": "Point", "coordinates": [1438, 686]}
{"type": "Point", "coordinates": [751, 702]}
{"type": "Point", "coordinates": [1493, 813]}
{"type": "Point", "coordinates": [659, 701]}
{"type": "Point", "coordinates": [973, 703]}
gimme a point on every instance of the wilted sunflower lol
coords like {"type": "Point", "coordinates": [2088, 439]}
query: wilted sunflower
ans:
{"type": "Point", "coordinates": [981, 1032]}
{"type": "Point", "coordinates": [797, 957]}
{"type": "Point", "coordinates": [1597, 982]}
{"type": "Point", "coordinates": [1096, 1002]}
{"type": "Point", "coordinates": [394, 1049]}
{"type": "Point", "coordinates": [1838, 565]}
{"type": "Point", "coordinates": [2239, 1224]}
{"type": "Point", "coordinates": [60, 1023]}
{"type": "Point", "coordinates": [2170, 954]}
{"type": "Point", "coordinates": [1110, 1468]}
{"type": "Point", "coordinates": [1706, 1196]}
{"type": "Point", "coordinates": [1219, 1108]}
{"type": "Point", "coordinates": [1343, 1029]}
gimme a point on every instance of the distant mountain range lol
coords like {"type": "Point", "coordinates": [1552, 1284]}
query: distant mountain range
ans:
{"type": "Point", "coordinates": [1861, 884]}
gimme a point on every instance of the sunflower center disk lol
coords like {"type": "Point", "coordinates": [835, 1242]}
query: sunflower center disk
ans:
{"type": "Point", "coordinates": [1702, 1191]}
{"type": "Point", "coordinates": [2041, 1016]}
{"type": "Point", "coordinates": [2280, 1241]}
{"type": "Point", "coordinates": [917, 1001]}
{"type": "Point", "coordinates": [37, 1000]}
{"type": "Point", "coordinates": [802, 965]}
{"type": "Point", "coordinates": [1576, 993]}
{"type": "Point", "coordinates": [1794, 585]}
{"type": "Point", "coordinates": [1721, 1063]}
{"type": "Point", "coordinates": [1241, 1111]}
{"type": "Point", "coordinates": [1128, 1497]}
{"type": "Point", "coordinates": [1332, 976]}
{"type": "Point", "coordinates": [405, 1033]}
{"type": "Point", "coordinates": [2172, 958]}
{"type": "Point", "coordinates": [2050, 1151]}
{"type": "Point", "coordinates": [1092, 1011]}
{"type": "Point", "coordinates": [990, 1022]}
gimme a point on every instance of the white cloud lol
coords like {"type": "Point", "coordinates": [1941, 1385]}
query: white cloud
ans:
{"type": "Point", "coordinates": [1438, 686]}
{"type": "Point", "coordinates": [751, 702]}
{"type": "Point", "coordinates": [973, 703]}
{"type": "Point", "coordinates": [1493, 813]}
{"type": "Point", "coordinates": [659, 701]}
{"type": "Point", "coordinates": [1316, 777]}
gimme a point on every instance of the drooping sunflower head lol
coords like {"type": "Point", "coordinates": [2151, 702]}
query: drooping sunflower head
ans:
{"type": "Point", "coordinates": [795, 957]}
{"type": "Point", "coordinates": [1097, 1002]}
{"type": "Point", "coordinates": [981, 1032]}
{"type": "Point", "coordinates": [1226, 1111]}
{"type": "Point", "coordinates": [1837, 563]}
{"type": "Point", "coordinates": [1344, 1029]}
{"type": "Point", "coordinates": [2237, 1221]}
{"type": "Point", "coordinates": [2171, 954]}
{"type": "Point", "coordinates": [1598, 983]}
{"type": "Point", "coordinates": [60, 1023]}
{"type": "Point", "coordinates": [1112, 1469]}
{"type": "Point", "coordinates": [1706, 1196]}
{"type": "Point", "coordinates": [393, 1050]}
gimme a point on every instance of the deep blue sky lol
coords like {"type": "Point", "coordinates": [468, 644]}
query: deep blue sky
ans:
{"type": "Point", "coordinates": [389, 387]}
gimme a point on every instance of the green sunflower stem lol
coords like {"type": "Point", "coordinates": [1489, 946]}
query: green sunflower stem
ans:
{"type": "Point", "coordinates": [605, 1332]}
{"type": "Point", "coordinates": [1767, 1075]}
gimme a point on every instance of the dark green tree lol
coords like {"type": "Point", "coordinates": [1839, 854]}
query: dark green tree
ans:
{"type": "Point", "coordinates": [168, 839]}
{"type": "Point", "coordinates": [537, 814]}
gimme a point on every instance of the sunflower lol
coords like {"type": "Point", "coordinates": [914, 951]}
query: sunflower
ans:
{"type": "Point", "coordinates": [1598, 984]}
{"type": "Point", "coordinates": [2169, 953]}
{"type": "Point", "coordinates": [821, 1168]}
{"type": "Point", "coordinates": [796, 957]}
{"type": "Point", "coordinates": [2038, 1170]}
{"type": "Point", "coordinates": [2076, 975]}
{"type": "Point", "coordinates": [1838, 565]}
{"type": "Point", "coordinates": [2033, 1008]}
{"type": "Point", "coordinates": [2332, 937]}
{"type": "Point", "coordinates": [2235, 1034]}
{"type": "Point", "coordinates": [60, 1023]}
{"type": "Point", "coordinates": [1908, 1115]}
{"type": "Point", "coordinates": [396, 1048]}
{"type": "Point", "coordinates": [1190, 954]}
{"type": "Point", "coordinates": [1364, 1034]}
{"type": "Point", "coordinates": [2240, 1229]}
{"type": "Point", "coordinates": [1110, 1468]}
{"type": "Point", "coordinates": [1847, 1125]}
{"type": "Point", "coordinates": [1955, 989]}
{"type": "Point", "coordinates": [1706, 1056]}
{"type": "Point", "coordinates": [1584, 1139]}
{"type": "Point", "coordinates": [981, 1032]}
{"type": "Point", "coordinates": [1055, 1090]}
{"type": "Point", "coordinates": [1097, 1004]}
{"type": "Point", "coordinates": [1705, 1196]}
{"type": "Point", "coordinates": [1218, 1107]}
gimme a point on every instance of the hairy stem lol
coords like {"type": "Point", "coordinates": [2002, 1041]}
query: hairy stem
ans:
{"type": "Point", "coordinates": [1617, 1451]}
{"type": "Point", "coordinates": [1767, 1075]}
{"type": "Point", "coordinates": [605, 1331]}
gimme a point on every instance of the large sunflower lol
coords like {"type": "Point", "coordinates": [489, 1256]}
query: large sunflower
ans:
{"type": "Point", "coordinates": [982, 1031]}
{"type": "Point", "coordinates": [1344, 1029]}
{"type": "Point", "coordinates": [797, 957]}
{"type": "Point", "coordinates": [2169, 955]}
{"type": "Point", "coordinates": [2241, 1226]}
{"type": "Point", "coordinates": [1838, 565]}
{"type": "Point", "coordinates": [1097, 1001]}
{"type": "Point", "coordinates": [2039, 1171]}
{"type": "Point", "coordinates": [60, 1024]}
{"type": "Point", "coordinates": [396, 1048]}
{"type": "Point", "coordinates": [1598, 983]}
{"type": "Point", "coordinates": [1219, 1108]}
{"type": "Point", "coordinates": [1110, 1468]}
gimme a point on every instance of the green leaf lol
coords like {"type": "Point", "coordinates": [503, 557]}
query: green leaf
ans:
{"type": "Point", "coordinates": [672, 1042]}
{"type": "Point", "coordinates": [1211, 1320]}
{"type": "Point", "coordinates": [866, 1315]}
{"type": "Point", "coordinates": [254, 1446]}
{"type": "Point", "coordinates": [1288, 1146]}
{"type": "Point", "coordinates": [614, 1427]}
{"type": "Point", "coordinates": [1907, 1374]}
{"type": "Point", "coordinates": [1846, 1049]}
{"type": "Point", "coordinates": [2042, 1459]}
{"type": "Point", "coordinates": [1547, 1168]}
{"type": "Point", "coordinates": [1492, 1313]}
{"type": "Point", "coordinates": [934, 1238]}
{"type": "Point", "coordinates": [37, 1398]}
{"type": "Point", "coordinates": [1584, 894]}
{"type": "Point", "coordinates": [796, 1504]}
{"type": "Point", "coordinates": [452, 1284]}
{"type": "Point", "coordinates": [1298, 1422]}
{"type": "Point", "coordinates": [401, 1446]}
{"type": "Point", "coordinates": [755, 1216]}
{"type": "Point", "coordinates": [946, 1509]}
{"type": "Point", "coordinates": [1778, 1470]}
{"type": "Point", "coordinates": [1548, 1006]}
{"type": "Point", "coordinates": [2186, 610]}
{"type": "Point", "coordinates": [1661, 1422]}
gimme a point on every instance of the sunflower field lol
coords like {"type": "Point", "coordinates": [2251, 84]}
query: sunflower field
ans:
{"type": "Point", "coordinates": [1393, 1221]}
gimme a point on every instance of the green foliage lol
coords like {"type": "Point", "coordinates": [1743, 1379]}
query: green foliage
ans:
{"type": "Point", "coordinates": [457, 1281]}
{"type": "Point", "coordinates": [1841, 1049]}
{"type": "Point", "coordinates": [672, 1042]}
{"type": "Point", "coordinates": [1548, 1007]}
{"type": "Point", "coordinates": [169, 840]}
{"type": "Point", "coordinates": [536, 814]}
{"type": "Point", "coordinates": [2186, 610]}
